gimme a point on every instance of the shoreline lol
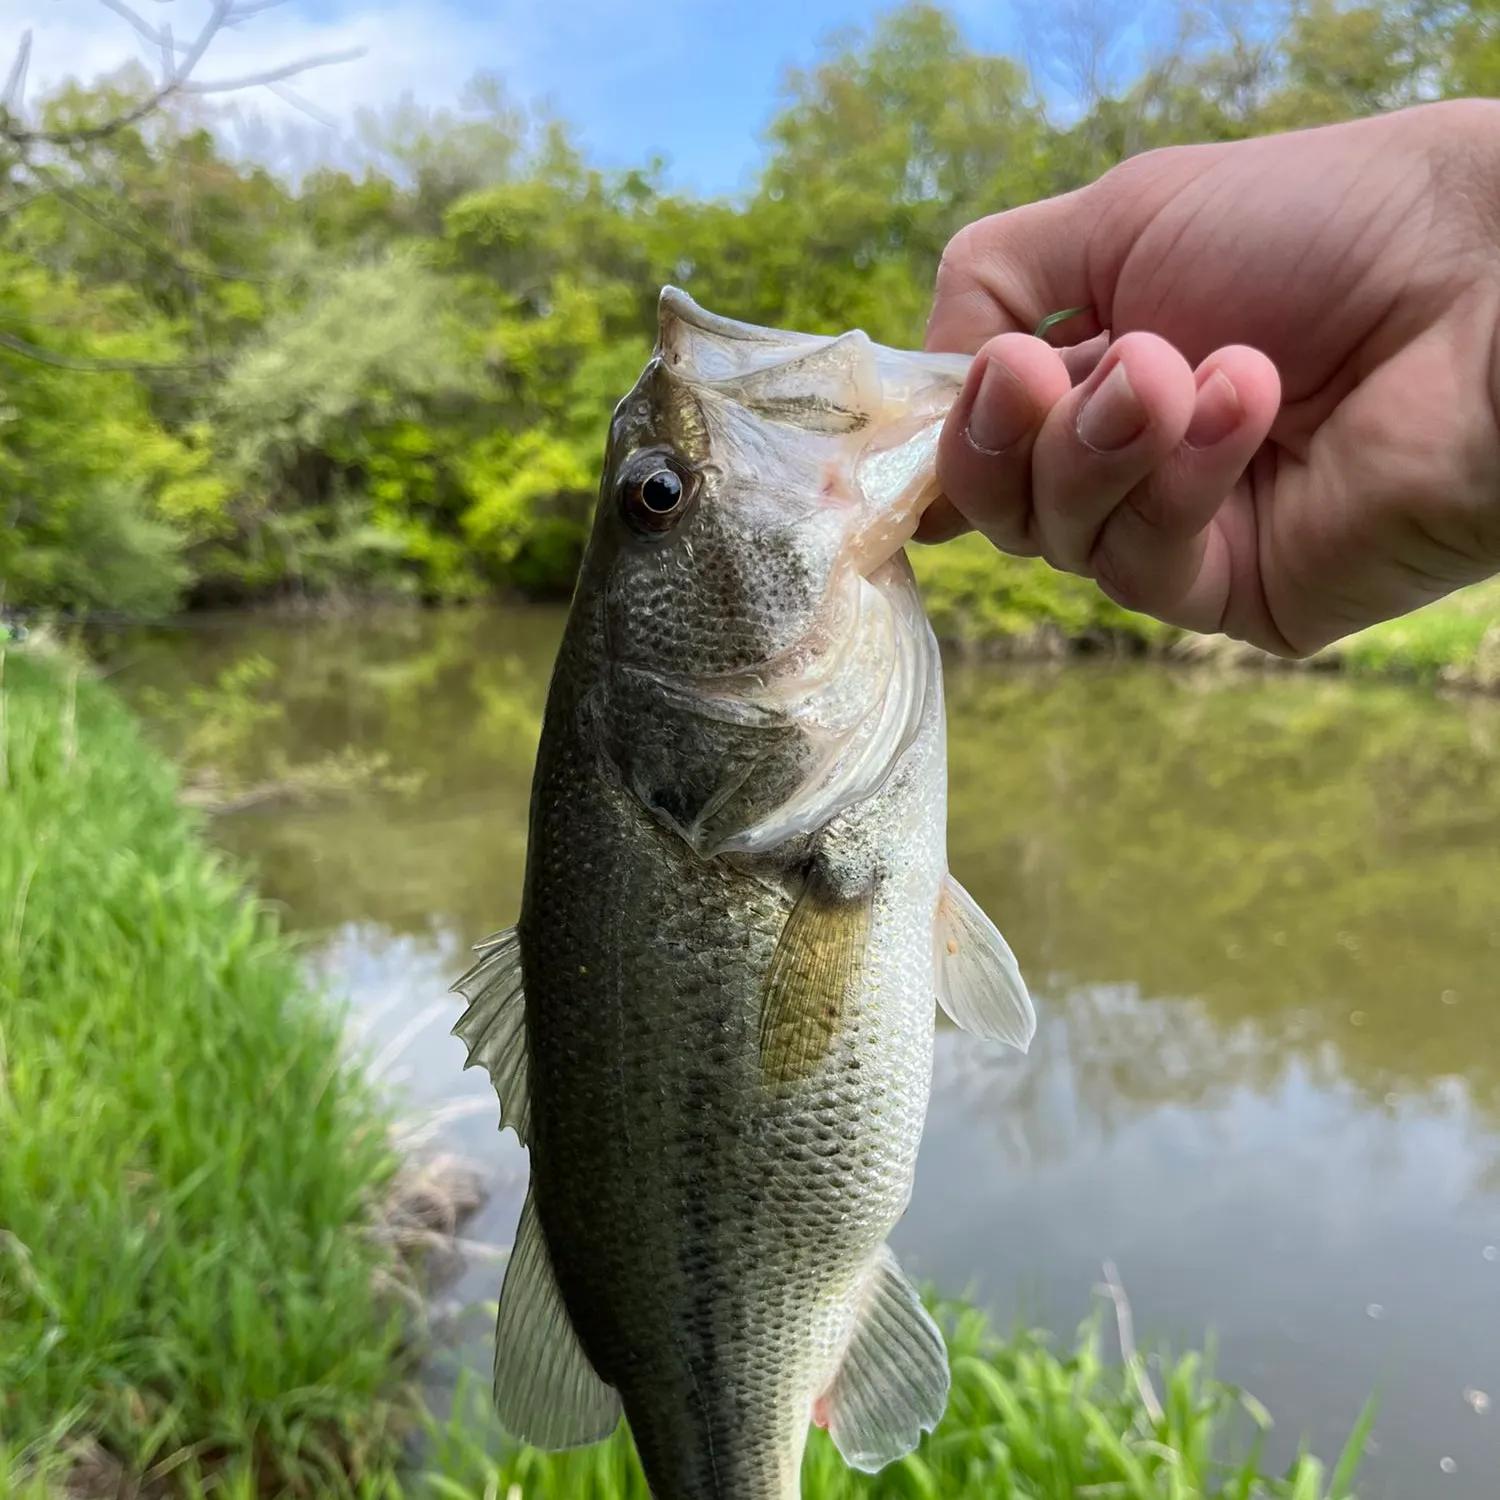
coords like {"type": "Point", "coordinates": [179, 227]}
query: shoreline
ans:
{"type": "Point", "coordinates": [985, 606]}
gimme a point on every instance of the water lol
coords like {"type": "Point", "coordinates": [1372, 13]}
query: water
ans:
{"type": "Point", "coordinates": [1259, 917]}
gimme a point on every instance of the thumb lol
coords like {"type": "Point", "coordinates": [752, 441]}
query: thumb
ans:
{"type": "Point", "coordinates": [1008, 272]}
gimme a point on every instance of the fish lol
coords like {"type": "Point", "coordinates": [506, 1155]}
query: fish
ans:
{"type": "Point", "coordinates": [712, 1025]}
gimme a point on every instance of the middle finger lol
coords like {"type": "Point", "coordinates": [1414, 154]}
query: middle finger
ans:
{"type": "Point", "coordinates": [1101, 439]}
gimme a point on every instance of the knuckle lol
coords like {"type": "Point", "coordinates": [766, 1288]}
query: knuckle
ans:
{"type": "Point", "coordinates": [1145, 167]}
{"type": "Point", "coordinates": [1146, 179]}
{"type": "Point", "coordinates": [961, 255]}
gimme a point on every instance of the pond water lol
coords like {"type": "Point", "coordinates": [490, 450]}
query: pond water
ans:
{"type": "Point", "coordinates": [1259, 916]}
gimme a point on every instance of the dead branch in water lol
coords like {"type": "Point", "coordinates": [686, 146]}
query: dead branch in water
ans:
{"type": "Point", "coordinates": [1125, 1323]}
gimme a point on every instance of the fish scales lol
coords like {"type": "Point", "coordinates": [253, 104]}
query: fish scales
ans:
{"type": "Point", "coordinates": [737, 917]}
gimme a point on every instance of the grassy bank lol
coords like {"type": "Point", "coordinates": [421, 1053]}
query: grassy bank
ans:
{"type": "Point", "coordinates": [186, 1172]}
{"type": "Point", "coordinates": [986, 603]}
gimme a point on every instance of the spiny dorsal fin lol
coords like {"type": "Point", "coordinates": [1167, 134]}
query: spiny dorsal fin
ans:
{"type": "Point", "coordinates": [493, 1028]}
{"type": "Point", "coordinates": [546, 1391]}
{"type": "Point", "coordinates": [815, 970]}
{"type": "Point", "coordinates": [893, 1383]}
{"type": "Point", "coordinates": [979, 982]}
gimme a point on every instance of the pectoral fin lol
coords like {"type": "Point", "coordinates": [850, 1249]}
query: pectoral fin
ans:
{"type": "Point", "coordinates": [979, 981]}
{"type": "Point", "coordinates": [893, 1383]}
{"type": "Point", "coordinates": [814, 973]}
{"type": "Point", "coordinates": [493, 1028]}
{"type": "Point", "coordinates": [546, 1391]}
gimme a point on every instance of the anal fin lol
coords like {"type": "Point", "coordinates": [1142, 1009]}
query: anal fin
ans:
{"type": "Point", "coordinates": [979, 982]}
{"type": "Point", "coordinates": [493, 1028]}
{"type": "Point", "coordinates": [546, 1391]}
{"type": "Point", "coordinates": [893, 1383]}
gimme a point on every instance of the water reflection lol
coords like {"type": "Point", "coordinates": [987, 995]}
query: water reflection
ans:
{"type": "Point", "coordinates": [1260, 917]}
{"type": "Point", "coordinates": [1305, 862]}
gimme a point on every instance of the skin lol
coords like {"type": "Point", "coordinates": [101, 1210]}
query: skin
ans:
{"type": "Point", "coordinates": [1279, 421]}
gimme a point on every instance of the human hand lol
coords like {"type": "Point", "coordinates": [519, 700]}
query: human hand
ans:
{"type": "Point", "coordinates": [1295, 349]}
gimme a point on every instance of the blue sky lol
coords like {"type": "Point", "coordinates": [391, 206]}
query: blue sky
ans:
{"type": "Point", "coordinates": [701, 84]}
{"type": "Point", "coordinates": [696, 80]}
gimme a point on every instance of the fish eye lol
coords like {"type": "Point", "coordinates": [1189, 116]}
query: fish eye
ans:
{"type": "Point", "coordinates": [655, 493]}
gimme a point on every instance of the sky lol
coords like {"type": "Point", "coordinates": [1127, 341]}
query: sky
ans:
{"type": "Point", "coordinates": [693, 80]}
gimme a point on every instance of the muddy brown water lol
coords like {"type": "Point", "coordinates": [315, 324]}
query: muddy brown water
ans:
{"type": "Point", "coordinates": [1261, 918]}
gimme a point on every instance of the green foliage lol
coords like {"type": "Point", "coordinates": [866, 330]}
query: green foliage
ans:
{"type": "Point", "coordinates": [190, 1172]}
{"type": "Point", "coordinates": [399, 382]}
{"type": "Point", "coordinates": [1456, 639]}
{"type": "Point", "coordinates": [367, 347]}
{"type": "Point", "coordinates": [1023, 1423]}
{"type": "Point", "coordinates": [82, 458]}
{"type": "Point", "coordinates": [980, 598]}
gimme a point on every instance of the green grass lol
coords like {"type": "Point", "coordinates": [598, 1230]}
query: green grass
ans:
{"type": "Point", "coordinates": [1023, 1423]}
{"type": "Point", "coordinates": [1455, 640]}
{"type": "Point", "coordinates": [186, 1170]}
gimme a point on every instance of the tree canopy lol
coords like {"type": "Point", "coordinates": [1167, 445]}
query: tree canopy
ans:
{"type": "Point", "coordinates": [218, 383]}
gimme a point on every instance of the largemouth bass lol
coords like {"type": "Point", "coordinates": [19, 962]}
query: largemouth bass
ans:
{"type": "Point", "coordinates": [713, 1023]}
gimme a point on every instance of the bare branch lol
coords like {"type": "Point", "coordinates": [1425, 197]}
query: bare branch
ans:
{"type": "Point", "coordinates": [168, 47]}
{"type": "Point", "coordinates": [27, 350]}
{"type": "Point", "coordinates": [270, 75]}
{"type": "Point", "coordinates": [307, 107]}
{"type": "Point", "coordinates": [194, 55]}
{"type": "Point", "coordinates": [15, 84]}
{"type": "Point", "coordinates": [179, 61]}
{"type": "Point", "coordinates": [141, 26]}
{"type": "Point", "coordinates": [249, 8]}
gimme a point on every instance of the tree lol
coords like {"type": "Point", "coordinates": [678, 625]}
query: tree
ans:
{"type": "Point", "coordinates": [880, 152]}
{"type": "Point", "coordinates": [397, 373]}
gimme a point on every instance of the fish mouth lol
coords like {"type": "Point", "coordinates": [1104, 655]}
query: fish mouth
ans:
{"type": "Point", "coordinates": [881, 408]}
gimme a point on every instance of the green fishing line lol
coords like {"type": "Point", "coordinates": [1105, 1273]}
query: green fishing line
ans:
{"type": "Point", "coordinates": [1052, 319]}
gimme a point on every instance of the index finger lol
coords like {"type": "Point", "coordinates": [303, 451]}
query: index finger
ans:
{"type": "Point", "coordinates": [1008, 272]}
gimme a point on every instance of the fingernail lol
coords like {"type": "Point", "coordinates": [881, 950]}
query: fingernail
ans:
{"type": "Point", "coordinates": [1001, 412]}
{"type": "Point", "coordinates": [1216, 412]}
{"type": "Point", "coordinates": [1112, 417]}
